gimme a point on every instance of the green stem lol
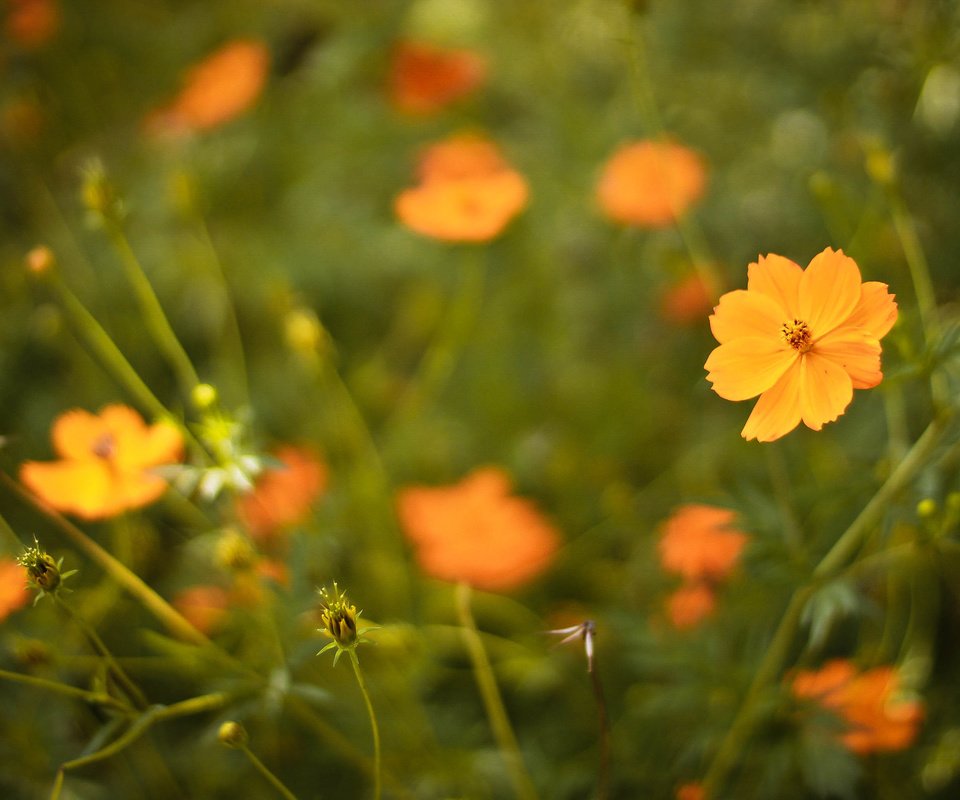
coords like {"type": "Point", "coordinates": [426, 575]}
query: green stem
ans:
{"type": "Point", "coordinates": [603, 778]}
{"type": "Point", "coordinates": [272, 779]}
{"type": "Point", "coordinates": [154, 317]}
{"type": "Point", "coordinates": [492, 701]}
{"type": "Point", "coordinates": [97, 698]}
{"type": "Point", "coordinates": [780, 480]}
{"type": "Point", "coordinates": [375, 729]}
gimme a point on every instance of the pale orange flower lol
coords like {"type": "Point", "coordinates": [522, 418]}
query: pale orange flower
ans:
{"type": "Point", "coordinates": [32, 23]}
{"type": "Point", "coordinates": [218, 89]}
{"type": "Point", "coordinates": [876, 718]}
{"type": "Point", "coordinates": [690, 604]}
{"type": "Point", "coordinates": [204, 607]}
{"type": "Point", "coordinates": [425, 78]}
{"type": "Point", "coordinates": [650, 183]}
{"type": "Point", "coordinates": [468, 193]}
{"type": "Point", "coordinates": [13, 587]}
{"type": "Point", "coordinates": [801, 339]}
{"type": "Point", "coordinates": [476, 531]}
{"type": "Point", "coordinates": [282, 497]}
{"type": "Point", "coordinates": [106, 462]}
{"type": "Point", "coordinates": [686, 301]}
{"type": "Point", "coordinates": [700, 542]}
{"type": "Point", "coordinates": [691, 791]}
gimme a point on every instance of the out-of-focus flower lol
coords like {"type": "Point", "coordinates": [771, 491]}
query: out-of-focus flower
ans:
{"type": "Point", "coordinates": [218, 89]}
{"type": "Point", "coordinates": [106, 462]}
{"type": "Point", "coordinates": [476, 531]}
{"type": "Point", "coordinates": [468, 193]}
{"type": "Point", "coordinates": [801, 339]}
{"type": "Point", "coordinates": [283, 496]}
{"type": "Point", "coordinates": [690, 604]}
{"type": "Point", "coordinates": [40, 259]}
{"type": "Point", "coordinates": [204, 607]}
{"type": "Point", "coordinates": [650, 184]}
{"type": "Point", "coordinates": [691, 791]}
{"type": "Point", "coordinates": [13, 587]}
{"type": "Point", "coordinates": [686, 301]}
{"type": "Point", "coordinates": [424, 78]}
{"type": "Point", "coordinates": [32, 23]}
{"type": "Point", "coordinates": [699, 542]}
{"type": "Point", "coordinates": [876, 718]}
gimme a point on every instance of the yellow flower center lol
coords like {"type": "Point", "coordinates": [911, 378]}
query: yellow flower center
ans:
{"type": "Point", "coordinates": [797, 335]}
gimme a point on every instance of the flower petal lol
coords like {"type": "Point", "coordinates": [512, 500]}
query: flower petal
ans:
{"type": "Point", "coordinates": [84, 488]}
{"type": "Point", "coordinates": [747, 366]}
{"type": "Point", "coordinates": [746, 313]}
{"type": "Point", "coordinates": [876, 311]}
{"type": "Point", "coordinates": [777, 412]}
{"type": "Point", "coordinates": [778, 278]}
{"type": "Point", "coordinates": [829, 291]}
{"type": "Point", "coordinates": [825, 390]}
{"type": "Point", "coordinates": [856, 351]}
{"type": "Point", "coordinates": [75, 433]}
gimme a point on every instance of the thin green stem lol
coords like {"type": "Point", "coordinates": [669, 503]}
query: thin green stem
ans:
{"type": "Point", "coordinates": [603, 722]}
{"type": "Point", "coordinates": [492, 701]}
{"type": "Point", "coordinates": [153, 314]}
{"type": "Point", "coordinates": [374, 727]}
{"type": "Point", "coordinates": [272, 779]}
{"type": "Point", "coordinates": [97, 698]}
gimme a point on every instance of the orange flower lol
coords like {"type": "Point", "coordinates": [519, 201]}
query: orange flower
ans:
{"type": "Point", "coordinates": [106, 462]}
{"type": "Point", "coordinates": [204, 607]}
{"type": "Point", "coordinates": [13, 587]}
{"type": "Point", "coordinates": [686, 301]}
{"type": "Point", "coordinates": [468, 192]}
{"type": "Point", "coordinates": [689, 605]}
{"type": "Point", "coordinates": [877, 720]}
{"type": "Point", "coordinates": [700, 543]}
{"type": "Point", "coordinates": [32, 23]}
{"type": "Point", "coordinates": [476, 531]}
{"type": "Point", "coordinates": [801, 339]}
{"type": "Point", "coordinates": [691, 791]}
{"type": "Point", "coordinates": [283, 497]}
{"type": "Point", "coordinates": [424, 78]}
{"type": "Point", "coordinates": [218, 89]}
{"type": "Point", "coordinates": [650, 184]}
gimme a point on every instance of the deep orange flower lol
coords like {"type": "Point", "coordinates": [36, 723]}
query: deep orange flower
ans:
{"type": "Point", "coordinates": [204, 607]}
{"type": "Point", "coordinates": [425, 78]}
{"type": "Point", "coordinates": [691, 791]}
{"type": "Point", "coordinates": [476, 531]}
{"type": "Point", "coordinates": [218, 89]}
{"type": "Point", "coordinates": [32, 23]}
{"type": "Point", "coordinates": [650, 183]}
{"type": "Point", "coordinates": [692, 603]}
{"type": "Point", "coordinates": [468, 193]}
{"type": "Point", "coordinates": [13, 587]}
{"type": "Point", "coordinates": [700, 542]}
{"type": "Point", "coordinates": [876, 719]}
{"type": "Point", "coordinates": [801, 339]}
{"type": "Point", "coordinates": [106, 462]}
{"type": "Point", "coordinates": [282, 497]}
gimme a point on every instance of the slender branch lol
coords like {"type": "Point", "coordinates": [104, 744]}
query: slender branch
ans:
{"type": "Point", "coordinates": [97, 698]}
{"type": "Point", "coordinates": [355, 663]}
{"type": "Point", "coordinates": [272, 779]}
{"type": "Point", "coordinates": [603, 780]}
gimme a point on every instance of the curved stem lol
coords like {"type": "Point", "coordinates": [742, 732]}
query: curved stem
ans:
{"type": "Point", "coordinates": [97, 698]}
{"type": "Point", "coordinates": [273, 780]}
{"type": "Point", "coordinates": [355, 662]}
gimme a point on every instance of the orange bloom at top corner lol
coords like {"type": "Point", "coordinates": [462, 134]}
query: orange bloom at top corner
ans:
{"type": "Point", "coordinates": [476, 531]}
{"type": "Point", "coordinates": [106, 464]}
{"type": "Point", "coordinates": [424, 78]}
{"type": "Point", "coordinates": [467, 192]}
{"type": "Point", "coordinates": [651, 183]}
{"type": "Point", "coordinates": [802, 340]}
{"type": "Point", "coordinates": [218, 89]}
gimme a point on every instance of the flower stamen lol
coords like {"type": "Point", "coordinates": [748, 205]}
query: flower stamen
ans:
{"type": "Point", "coordinates": [797, 335]}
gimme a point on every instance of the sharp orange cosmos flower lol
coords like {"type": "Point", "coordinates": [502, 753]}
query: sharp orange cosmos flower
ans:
{"type": "Point", "coordinates": [425, 78]}
{"type": "Point", "coordinates": [218, 89]}
{"type": "Point", "coordinates": [468, 192]}
{"type": "Point", "coordinates": [476, 531]}
{"type": "Point", "coordinates": [876, 719]}
{"type": "Point", "coordinates": [801, 339]}
{"type": "Point", "coordinates": [105, 464]}
{"type": "Point", "coordinates": [700, 542]}
{"type": "Point", "coordinates": [13, 587]}
{"type": "Point", "coordinates": [282, 497]}
{"type": "Point", "coordinates": [650, 183]}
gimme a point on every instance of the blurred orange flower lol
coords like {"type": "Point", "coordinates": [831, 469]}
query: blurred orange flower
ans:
{"type": "Point", "coordinates": [876, 718]}
{"type": "Point", "coordinates": [692, 603]}
{"type": "Point", "coordinates": [699, 542]}
{"type": "Point", "coordinates": [425, 78]}
{"type": "Point", "coordinates": [105, 464]}
{"type": "Point", "coordinates": [650, 183]}
{"type": "Point", "coordinates": [476, 531]}
{"type": "Point", "coordinates": [32, 23]}
{"type": "Point", "coordinates": [691, 791]}
{"type": "Point", "coordinates": [686, 301]}
{"type": "Point", "coordinates": [283, 496]}
{"type": "Point", "coordinates": [218, 89]}
{"type": "Point", "coordinates": [801, 339]}
{"type": "Point", "coordinates": [204, 607]}
{"type": "Point", "coordinates": [468, 192]}
{"type": "Point", "coordinates": [13, 587]}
